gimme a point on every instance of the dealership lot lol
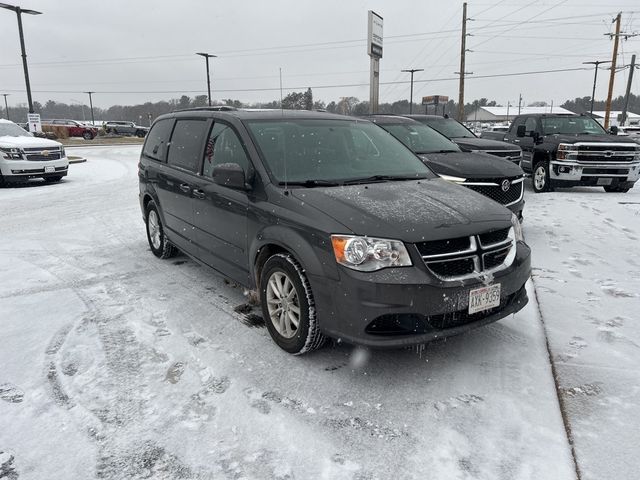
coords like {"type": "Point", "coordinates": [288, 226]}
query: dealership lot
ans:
{"type": "Point", "coordinates": [117, 363]}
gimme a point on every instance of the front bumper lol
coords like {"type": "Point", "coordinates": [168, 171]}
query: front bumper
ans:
{"type": "Point", "coordinates": [20, 170]}
{"type": "Point", "coordinates": [422, 307]}
{"type": "Point", "coordinates": [581, 174]}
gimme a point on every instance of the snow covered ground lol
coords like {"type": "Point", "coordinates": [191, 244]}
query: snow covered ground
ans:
{"type": "Point", "coordinates": [114, 364]}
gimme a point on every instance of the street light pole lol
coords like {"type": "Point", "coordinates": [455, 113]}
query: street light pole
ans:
{"type": "Point", "coordinates": [6, 105]}
{"type": "Point", "coordinates": [412, 71]}
{"type": "Point", "coordinates": [93, 121]}
{"type": "Point", "coordinates": [595, 77]}
{"type": "Point", "coordinates": [206, 57]}
{"type": "Point", "coordinates": [19, 11]}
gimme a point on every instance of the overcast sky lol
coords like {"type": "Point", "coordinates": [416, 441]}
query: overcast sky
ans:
{"type": "Point", "coordinates": [130, 52]}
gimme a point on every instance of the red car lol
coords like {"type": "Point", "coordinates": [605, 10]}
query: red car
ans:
{"type": "Point", "coordinates": [75, 129]}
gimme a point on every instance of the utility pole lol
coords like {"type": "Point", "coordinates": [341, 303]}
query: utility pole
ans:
{"type": "Point", "coordinates": [508, 105]}
{"type": "Point", "coordinates": [595, 77]}
{"type": "Point", "coordinates": [623, 118]}
{"type": "Point", "coordinates": [412, 71]}
{"type": "Point", "coordinates": [6, 105]}
{"type": "Point", "coordinates": [519, 103]}
{"type": "Point", "coordinates": [607, 109]}
{"type": "Point", "coordinates": [93, 121]}
{"type": "Point", "coordinates": [463, 49]}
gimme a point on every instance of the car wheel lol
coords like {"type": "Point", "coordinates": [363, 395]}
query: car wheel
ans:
{"type": "Point", "coordinates": [87, 136]}
{"type": "Point", "coordinates": [540, 177]}
{"type": "Point", "coordinates": [53, 179]}
{"type": "Point", "coordinates": [158, 242]}
{"type": "Point", "coordinates": [288, 306]}
{"type": "Point", "coordinates": [615, 189]}
{"type": "Point", "coordinates": [140, 134]}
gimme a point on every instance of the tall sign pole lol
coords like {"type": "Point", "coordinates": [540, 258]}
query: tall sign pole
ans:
{"type": "Point", "coordinates": [374, 50]}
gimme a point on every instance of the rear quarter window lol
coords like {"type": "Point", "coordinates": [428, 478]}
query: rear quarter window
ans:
{"type": "Point", "coordinates": [187, 144]}
{"type": "Point", "coordinates": [157, 139]}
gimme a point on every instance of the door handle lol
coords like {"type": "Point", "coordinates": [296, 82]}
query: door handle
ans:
{"type": "Point", "coordinates": [185, 187]}
{"type": "Point", "coordinates": [199, 194]}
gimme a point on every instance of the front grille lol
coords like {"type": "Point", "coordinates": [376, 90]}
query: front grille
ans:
{"type": "Point", "coordinates": [42, 154]}
{"type": "Point", "coordinates": [504, 153]}
{"type": "Point", "coordinates": [465, 256]}
{"type": "Point", "coordinates": [605, 171]}
{"type": "Point", "coordinates": [495, 192]}
{"type": "Point", "coordinates": [591, 153]}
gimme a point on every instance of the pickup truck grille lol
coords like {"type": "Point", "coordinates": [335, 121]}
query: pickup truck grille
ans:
{"type": "Point", "coordinates": [42, 154]}
{"type": "Point", "coordinates": [608, 153]}
{"type": "Point", "coordinates": [495, 189]}
{"type": "Point", "coordinates": [464, 256]}
{"type": "Point", "coordinates": [510, 154]}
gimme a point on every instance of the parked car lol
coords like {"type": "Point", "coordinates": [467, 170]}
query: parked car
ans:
{"type": "Point", "coordinates": [74, 128]}
{"type": "Point", "coordinates": [125, 128]}
{"type": "Point", "coordinates": [340, 228]}
{"type": "Point", "coordinates": [494, 132]}
{"type": "Point", "coordinates": [571, 150]}
{"type": "Point", "coordinates": [467, 140]}
{"type": "Point", "coordinates": [23, 156]}
{"type": "Point", "coordinates": [497, 178]}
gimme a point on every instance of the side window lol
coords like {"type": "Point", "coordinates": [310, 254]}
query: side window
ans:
{"type": "Point", "coordinates": [530, 125]}
{"type": "Point", "coordinates": [223, 146]}
{"type": "Point", "coordinates": [156, 142]}
{"type": "Point", "coordinates": [516, 123]}
{"type": "Point", "coordinates": [185, 150]}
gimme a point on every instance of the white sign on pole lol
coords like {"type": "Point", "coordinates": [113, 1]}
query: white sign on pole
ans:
{"type": "Point", "coordinates": [374, 42]}
{"type": "Point", "coordinates": [33, 119]}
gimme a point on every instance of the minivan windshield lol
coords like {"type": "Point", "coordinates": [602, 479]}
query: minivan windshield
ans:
{"type": "Point", "coordinates": [420, 138]}
{"type": "Point", "coordinates": [448, 127]}
{"type": "Point", "coordinates": [313, 152]}
{"type": "Point", "coordinates": [571, 126]}
{"type": "Point", "coordinates": [10, 129]}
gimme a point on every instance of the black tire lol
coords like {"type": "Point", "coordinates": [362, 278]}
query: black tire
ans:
{"type": "Point", "coordinates": [53, 179]}
{"type": "Point", "coordinates": [540, 177]}
{"type": "Point", "coordinates": [616, 189]}
{"type": "Point", "coordinates": [140, 134]}
{"type": "Point", "coordinates": [160, 246]}
{"type": "Point", "coordinates": [306, 336]}
{"type": "Point", "coordinates": [87, 135]}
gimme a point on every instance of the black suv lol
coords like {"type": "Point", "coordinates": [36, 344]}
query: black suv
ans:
{"type": "Point", "coordinates": [497, 178]}
{"type": "Point", "coordinates": [467, 140]}
{"type": "Point", "coordinates": [342, 230]}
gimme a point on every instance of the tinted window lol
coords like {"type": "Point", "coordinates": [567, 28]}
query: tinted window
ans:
{"type": "Point", "coordinates": [332, 150]}
{"type": "Point", "coordinates": [420, 138]}
{"type": "Point", "coordinates": [223, 146]}
{"type": "Point", "coordinates": [530, 125]}
{"type": "Point", "coordinates": [571, 125]}
{"type": "Point", "coordinates": [156, 142]}
{"type": "Point", "coordinates": [448, 127]}
{"type": "Point", "coordinates": [185, 150]}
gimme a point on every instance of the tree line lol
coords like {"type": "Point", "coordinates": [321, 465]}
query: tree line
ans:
{"type": "Point", "coordinates": [145, 113]}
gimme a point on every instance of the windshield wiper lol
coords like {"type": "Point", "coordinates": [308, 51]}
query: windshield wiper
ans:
{"type": "Point", "coordinates": [312, 183]}
{"type": "Point", "coordinates": [382, 178]}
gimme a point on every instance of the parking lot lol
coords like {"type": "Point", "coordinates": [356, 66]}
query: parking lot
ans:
{"type": "Point", "coordinates": [118, 365]}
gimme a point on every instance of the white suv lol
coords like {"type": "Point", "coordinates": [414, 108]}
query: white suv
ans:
{"type": "Point", "coordinates": [23, 156]}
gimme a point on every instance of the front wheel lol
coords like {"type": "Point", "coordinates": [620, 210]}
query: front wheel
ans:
{"type": "Point", "coordinates": [540, 177]}
{"type": "Point", "coordinates": [55, 178]}
{"type": "Point", "coordinates": [616, 189]}
{"type": "Point", "coordinates": [140, 134]}
{"type": "Point", "coordinates": [87, 136]}
{"type": "Point", "coordinates": [288, 306]}
{"type": "Point", "coordinates": [158, 242]}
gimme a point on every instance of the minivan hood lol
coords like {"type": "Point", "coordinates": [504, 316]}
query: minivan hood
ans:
{"type": "Point", "coordinates": [27, 142]}
{"type": "Point", "coordinates": [468, 143]}
{"type": "Point", "coordinates": [471, 165]}
{"type": "Point", "coordinates": [411, 211]}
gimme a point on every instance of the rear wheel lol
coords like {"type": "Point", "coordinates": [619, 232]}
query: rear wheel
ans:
{"type": "Point", "coordinates": [158, 242]}
{"type": "Point", "coordinates": [87, 136]}
{"type": "Point", "coordinates": [540, 177]}
{"type": "Point", "coordinates": [140, 134]}
{"type": "Point", "coordinates": [288, 306]}
{"type": "Point", "coordinates": [616, 189]}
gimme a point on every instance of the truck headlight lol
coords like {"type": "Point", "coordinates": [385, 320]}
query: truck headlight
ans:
{"type": "Point", "coordinates": [369, 254]}
{"type": "Point", "coordinates": [11, 153]}
{"type": "Point", "coordinates": [565, 150]}
{"type": "Point", "coordinates": [62, 152]}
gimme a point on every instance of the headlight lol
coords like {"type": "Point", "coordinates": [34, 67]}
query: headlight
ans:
{"type": "Point", "coordinates": [565, 150]}
{"type": "Point", "coordinates": [517, 228]}
{"type": "Point", "coordinates": [369, 254]}
{"type": "Point", "coordinates": [449, 178]}
{"type": "Point", "coordinates": [11, 153]}
{"type": "Point", "coordinates": [62, 152]}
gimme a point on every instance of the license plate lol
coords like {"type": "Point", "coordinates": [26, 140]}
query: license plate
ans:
{"type": "Point", "coordinates": [481, 299]}
{"type": "Point", "coordinates": [49, 169]}
{"type": "Point", "coordinates": [605, 181]}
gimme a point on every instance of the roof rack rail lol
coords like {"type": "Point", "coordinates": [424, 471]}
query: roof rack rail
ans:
{"type": "Point", "coordinates": [214, 108]}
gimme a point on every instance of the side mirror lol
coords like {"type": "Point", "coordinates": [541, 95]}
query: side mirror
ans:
{"type": "Point", "coordinates": [521, 131]}
{"type": "Point", "coordinates": [613, 130]}
{"type": "Point", "coordinates": [535, 136]}
{"type": "Point", "coordinates": [230, 175]}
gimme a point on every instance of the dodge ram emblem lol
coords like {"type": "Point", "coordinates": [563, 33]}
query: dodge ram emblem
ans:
{"type": "Point", "coordinates": [506, 185]}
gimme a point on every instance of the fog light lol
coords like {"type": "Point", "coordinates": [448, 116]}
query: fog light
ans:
{"type": "Point", "coordinates": [565, 169]}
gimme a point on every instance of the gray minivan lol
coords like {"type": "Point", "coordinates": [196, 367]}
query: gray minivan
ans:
{"type": "Point", "coordinates": [343, 231]}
